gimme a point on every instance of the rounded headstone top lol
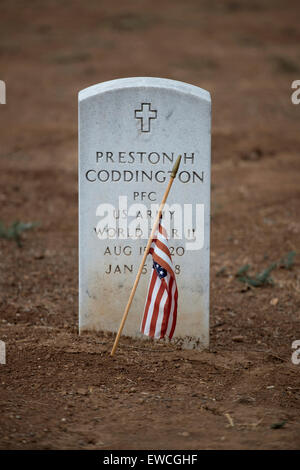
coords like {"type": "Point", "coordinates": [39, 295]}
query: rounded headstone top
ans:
{"type": "Point", "coordinates": [144, 82]}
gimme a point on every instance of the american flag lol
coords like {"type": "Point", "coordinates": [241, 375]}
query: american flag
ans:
{"type": "Point", "coordinates": [160, 312]}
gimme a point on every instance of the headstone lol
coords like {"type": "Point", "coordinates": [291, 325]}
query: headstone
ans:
{"type": "Point", "coordinates": [130, 133]}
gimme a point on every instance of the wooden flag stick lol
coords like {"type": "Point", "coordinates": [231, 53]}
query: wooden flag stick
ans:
{"type": "Point", "coordinates": [154, 228]}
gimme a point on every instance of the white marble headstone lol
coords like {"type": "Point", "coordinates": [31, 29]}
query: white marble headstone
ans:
{"type": "Point", "coordinates": [130, 133]}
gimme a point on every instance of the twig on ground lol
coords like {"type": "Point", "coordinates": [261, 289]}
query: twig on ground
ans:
{"type": "Point", "coordinates": [230, 420]}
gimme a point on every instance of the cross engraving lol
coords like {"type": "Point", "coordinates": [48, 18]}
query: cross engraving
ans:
{"type": "Point", "coordinates": [145, 114]}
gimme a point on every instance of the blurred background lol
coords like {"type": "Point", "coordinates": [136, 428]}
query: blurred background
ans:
{"type": "Point", "coordinates": [246, 54]}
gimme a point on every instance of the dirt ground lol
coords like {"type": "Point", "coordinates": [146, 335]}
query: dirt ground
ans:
{"type": "Point", "coordinates": [62, 391]}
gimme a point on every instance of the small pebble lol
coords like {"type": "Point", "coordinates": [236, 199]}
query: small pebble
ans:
{"type": "Point", "coordinates": [184, 434]}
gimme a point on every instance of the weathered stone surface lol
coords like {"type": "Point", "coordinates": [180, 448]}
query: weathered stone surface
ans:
{"type": "Point", "coordinates": [130, 132]}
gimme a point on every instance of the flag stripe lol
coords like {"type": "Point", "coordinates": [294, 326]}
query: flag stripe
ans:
{"type": "Point", "coordinates": [156, 309]}
{"type": "Point", "coordinates": [163, 308]}
{"type": "Point", "coordinates": [167, 309]}
{"type": "Point", "coordinates": [162, 230]}
{"type": "Point", "coordinates": [151, 306]}
{"type": "Point", "coordinates": [162, 247]}
{"type": "Point", "coordinates": [150, 290]}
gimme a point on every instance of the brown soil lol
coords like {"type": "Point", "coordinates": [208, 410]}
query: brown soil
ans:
{"type": "Point", "coordinates": [59, 390]}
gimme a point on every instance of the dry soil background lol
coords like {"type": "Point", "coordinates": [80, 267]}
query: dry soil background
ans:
{"type": "Point", "coordinates": [59, 390]}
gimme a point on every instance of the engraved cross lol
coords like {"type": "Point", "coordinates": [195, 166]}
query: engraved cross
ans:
{"type": "Point", "coordinates": [145, 114]}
